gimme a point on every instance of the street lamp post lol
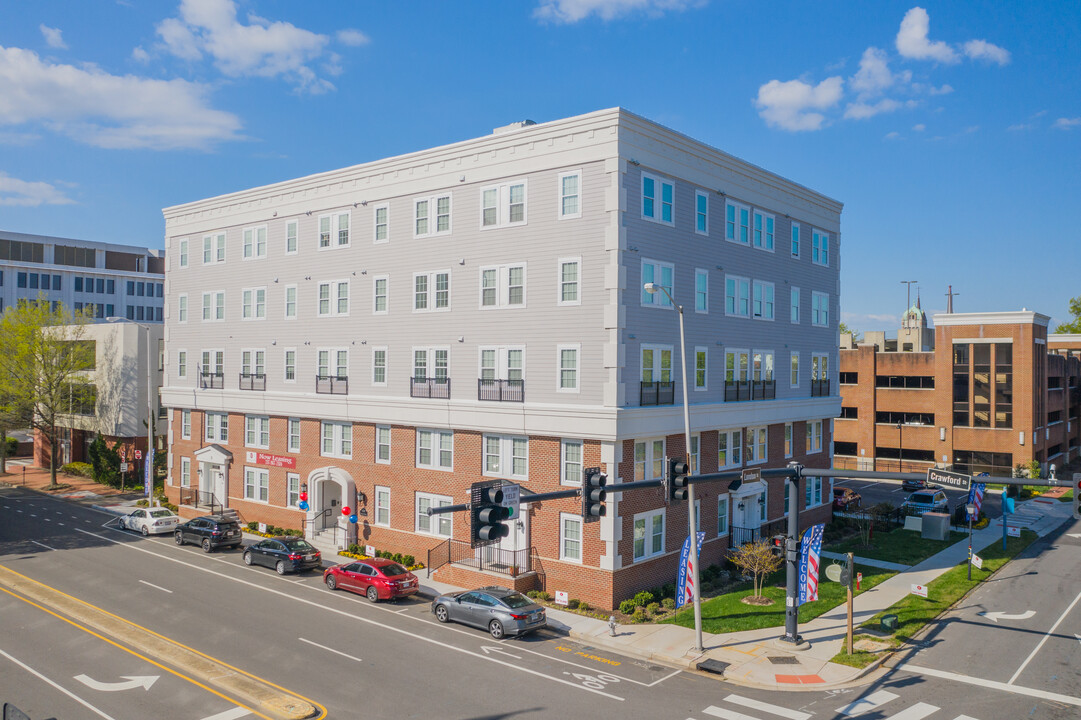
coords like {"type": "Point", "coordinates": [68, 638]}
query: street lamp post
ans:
{"type": "Point", "coordinates": [900, 447]}
{"type": "Point", "coordinates": [692, 513]}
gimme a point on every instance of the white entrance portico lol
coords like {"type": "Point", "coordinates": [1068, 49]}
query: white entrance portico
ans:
{"type": "Point", "coordinates": [329, 490]}
{"type": "Point", "coordinates": [213, 463]}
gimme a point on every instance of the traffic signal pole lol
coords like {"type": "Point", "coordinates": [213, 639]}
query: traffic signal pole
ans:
{"type": "Point", "coordinates": [791, 600]}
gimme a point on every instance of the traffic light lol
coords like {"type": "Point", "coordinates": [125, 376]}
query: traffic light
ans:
{"type": "Point", "coordinates": [593, 494]}
{"type": "Point", "coordinates": [776, 545]}
{"type": "Point", "coordinates": [677, 480]}
{"type": "Point", "coordinates": [488, 516]}
{"type": "Point", "coordinates": [1077, 496]}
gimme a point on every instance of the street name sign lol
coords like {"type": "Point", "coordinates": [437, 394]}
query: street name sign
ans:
{"type": "Point", "coordinates": [948, 478]}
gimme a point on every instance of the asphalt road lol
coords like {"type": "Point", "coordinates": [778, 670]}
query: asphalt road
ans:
{"type": "Point", "coordinates": [357, 659]}
{"type": "Point", "coordinates": [873, 492]}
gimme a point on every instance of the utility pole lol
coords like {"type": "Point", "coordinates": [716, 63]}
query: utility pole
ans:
{"type": "Point", "coordinates": [908, 301]}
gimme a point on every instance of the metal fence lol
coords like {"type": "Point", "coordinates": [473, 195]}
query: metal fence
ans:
{"type": "Point", "coordinates": [657, 393]}
{"type": "Point", "coordinates": [741, 390]}
{"type": "Point", "coordinates": [437, 387]}
{"type": "Point", "coordinates": [332, 384]}
{"type": "Point", "coordinates": [252, 381]}
{"type": "Point", "coordinates": [491, 558]}
{"type": "Point", "coordinates": [501, 390]}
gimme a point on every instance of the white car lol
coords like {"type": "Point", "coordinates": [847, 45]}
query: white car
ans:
{"type": "Point", "coordinates": [149, 520]}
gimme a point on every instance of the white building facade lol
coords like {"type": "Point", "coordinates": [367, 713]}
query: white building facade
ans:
{"type": "Point", "coordinates": [384, 335]}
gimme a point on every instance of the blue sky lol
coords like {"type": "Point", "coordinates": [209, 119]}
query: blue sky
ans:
{"type": "Point", "coordinates": [950, 130]}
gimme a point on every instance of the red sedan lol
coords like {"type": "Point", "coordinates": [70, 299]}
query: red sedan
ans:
{"type": "Point", "coordinates": [376, 578]}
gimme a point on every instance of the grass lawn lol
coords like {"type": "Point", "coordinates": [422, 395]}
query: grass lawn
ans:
{"type": "Point", "coordinates": [900, 546]}
{"type": "Point", "coordinates": [1067, 497]}
{"type": "Point", "coordinates": [725, 613]}
{"type": "Point", "coordinates": [914, 613]}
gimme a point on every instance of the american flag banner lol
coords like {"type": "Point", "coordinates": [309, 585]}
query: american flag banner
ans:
{"type": "Point", "coordinates": [975, 496]}
{"type": "Point", "coordinates": [810, 546]}
{"type": "Point", "coordinates": [685, 578]}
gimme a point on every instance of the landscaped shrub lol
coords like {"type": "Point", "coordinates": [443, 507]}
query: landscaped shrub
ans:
{"type": "Point", "coordinates": [79, 469]}
{"type": "Point", "coordinates": [253, 526]}
{"type": "Point", "coordinates": [627, 606]}
{"type": "Point", "coordinates": [409, 560]}
{"type": "Point", "coordinates": [573, 603]}
{"type": "Point", "coordinates": [640, 615]}
{"type": "Point", "coordinates": [584, 607]}
{"type": "Point", "coordinates": [652, 608]}
{"type": "Point", "coordinates": [533, 594]}
{"type": "Point", "coordinates": [669, 603]}
{"type": "Point", "coordinates": [643, 598]}
{"type": "Point", "coordinates": [545, 596]}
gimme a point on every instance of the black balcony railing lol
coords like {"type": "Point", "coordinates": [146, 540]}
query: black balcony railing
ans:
{"type": "Point", "coordinates": [437, 387]}
{"type": "Point", "coordinates": [658, 393]}
{"type": "Point", "coordinates": [501, 390]}
{"type": "Point", "coordinates": [741, 390]}
{"type": "Point", "coordinates": [252, 381]}
{"type": "Point", "coordinates": [212, 380]}
{"type": "Point", "coordinates": [332, 384]}
{"type": "Point", "coordinates": [820, 388]}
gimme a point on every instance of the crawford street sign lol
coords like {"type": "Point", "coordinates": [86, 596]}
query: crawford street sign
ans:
{"type": "Point", "coordinates": [948, 478]}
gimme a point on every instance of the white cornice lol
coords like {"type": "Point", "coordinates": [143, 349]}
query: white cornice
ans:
{"type": "Point", "coordinates": [1016, 317]}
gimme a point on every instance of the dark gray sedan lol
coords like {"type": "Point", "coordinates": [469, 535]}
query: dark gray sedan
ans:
{"type": "Point", "coordinates": [498, 610]}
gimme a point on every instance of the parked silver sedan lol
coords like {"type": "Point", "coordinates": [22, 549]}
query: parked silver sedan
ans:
{"type": "Point", "coordinates": [498, 610]}
{"type": "Point", "coordinates": [149, 521]}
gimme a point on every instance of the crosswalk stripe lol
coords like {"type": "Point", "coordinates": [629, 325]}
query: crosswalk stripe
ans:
{"type": "Point", "coordinates": [230, 714]}
{"type": "Point", "coordinates": [964, 717]}
{"type": "Point", "coordinates": [916, 712]}
{"type": "Point", "coordinates": [727, 714]}
{"type": "Point", "coordinates": [864, 704]}
{"type": "Point", "coordinates": [766, 707]}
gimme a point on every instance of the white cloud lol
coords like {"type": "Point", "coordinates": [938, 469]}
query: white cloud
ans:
{"type": "Point", "coordinates": [862, 111]}
{"type": "Point", "coordinates": [261, 48]}
{"type": "Point", "coordinates": [140, 55]}
{"type": "Point", "coordinates": [53, 37]}
{"type": "Point", "coordinates": [791, 105]}
{"type": "Point", "coordinates": [1019, 127]}
{"type": "Point", "coordinates": [112, 111]}
{"type": "Point", "coordinates": [893, 135]}
{"type": "Point", "coordinates": [874, 74]}
{"type": "Point", "coordinates": [571, 11]}
{"type": "Point", "coordinates": [352, 38]}
{"type": "Point", "coordinates": [912, 41]}
{"type": "Point", "coordinates": [983, 50]}
{"type": "Point", "coordinates": [919, 127]}
{"type": "Point", "coordinates": [1067, 123]}
{"type": "Point", "coordinates": [14, 191]}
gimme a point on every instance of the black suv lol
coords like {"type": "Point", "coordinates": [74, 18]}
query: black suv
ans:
{"type": "Point", "coordinates": [209, 531]}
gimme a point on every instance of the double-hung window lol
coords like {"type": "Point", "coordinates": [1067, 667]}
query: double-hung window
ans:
{"type": "Point", "coordinates": [435, 449]}
{"type": "Point", "coordinates": [430, 363]}
{"type": "Point", "coordinates": [213, 362]}
{"type": "Point", "coordinates": [256, 484]}
{"type": "Point", "coordinates": [213, 248]}
{"type": "Point", "coordinates": [292, 230]}
{"type": "Point", "coordinates": [182, 308]}
{"type": "Point", "coordinates": [813, 492]}
{"type": "Point", "coordinates": [217, 426]}
{"type": "Point", "coordinates": [648, 534]}
{"type": "Point", "coordinates": [793, 299]}
{"type": "Point", "coordinates": [787, 453]}
{"type": "Point", "coordinates": [293, 440]}
{"type": "Point", "coordinates": [568, 367]}
{"type": "Point", "coordinates": [502, 363]}
{"type": "Point", "coordinates": [656, 363]}
{"type": "Point", "coordinates": [820, 247]}
{"type": "Point", "coordinates": [256, 431]}
{"type": "Point", "coordinates": [649, 460]}
{"type": "Point", "coordinates": [570, 537]}
{"type": "Point", "coordinates": [571, 468]}
{"type": "Point", "coordinates": [333, 298]}
{"type": "Point", "coordinates": [722, 515]}
{"type": "Point", "coordinates": [185, 472]}
{"type": "Point", "coordinates": [795, 240]}
{"type": "Point", "coordinates": [793, 380]}
{"type": "Point", "coordinates": [431, 291]}
{"type": "Point", "coordinates": [337, 439]}
{"type": "Point", "coordinates": [660, 273]}
{"type": "Point", "coordinates": [214, 306]}
{"type": "Point", "coordinates": [185, 424]}
{"type": "Point", "coordinates": [701, 291]}
{"type": "Point", "coordinates": [254, 242]}
{"type": "Point", "coordinates": [570, 195]}
{"type": "Point", "coordinates": [757, 444]}
{"type": "Point", "coordinates": [503, 205]}
{"type": "Point", "coordinates": [382, 506]}
{"type": "Point", "coordinates": [253, 306]}
{"type": "Point", "coordinates": [292, 489]}
{"type": "Point", "coordinates": [737, 296]}
{"type": "Point", "coordinates": [253, 362]}
{"type": "Point", "coordinates": [763, 231]}
{"type": "Point", "coordinates": [333, 230]}
{"type": "Point", "coordinates": [763, 300]}
{"type": "Point", "coordinates": [184, 253]}
{"type": "Point", "coordinates": [380, 290]}
{"type": "Point", "coordinates": [290, 302]}
{"type": "Point", "coordinates": [657, 199]}
{"type": "Point", "coordinates": [814, 437]}
{"type": "Point", "coordinates": [729, 448]}
{"type": "Point", "coordinates": [381, 219]}
{"type": "Point", "coordinates": [290, 365]}
{"type": "Point", "coordinates": [737, 223]}
{"type": "Point", "coordinates": [382, 444]}
{"type": "Point", "coordinates": [569, 281]}
{"type": "Point", "coordinates": [820, 309]}
{"type": "Point", "coordinates": [502, 286]}
{"type": "Point", "coordinates": [440, 525]}
{"type": "Point", "coordinates": [379, 366]}
{"type": "Point", "coordinates": [701, 212]}
{"type": "Point", "coordinates": [701, 355]}
{"type": "Point", "coordinates": [332, 362]}
{"type": "Point", "coordinates": [431, 216]}
{"type": "Point", "coordinates": [506, 456]}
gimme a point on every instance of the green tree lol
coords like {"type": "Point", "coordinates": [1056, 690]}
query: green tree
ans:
{"type": "Point", "coordinates": [43, 360]}
{"type": "Point", "coordinates": [1074, 326]}
{"type": "Point", "coordinates": [856, 334]}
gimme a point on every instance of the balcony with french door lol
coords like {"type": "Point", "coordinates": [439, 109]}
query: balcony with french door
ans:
{"type": "Point", "coordinates": [657, 393]}
{"type": "Point", "coordinates": [820, 388]}
{"type": "Point", "coordinates": [253, 381]}
{"type": "Point", "coordinates": [745, 390]}
{"type": "Point", "coordinates": [437, 387]}
{"type": "Point", "coordinates": [211, 380]}
{"type": "Point", "coordinates": [501, 390]}
{"type": "Point", "coordinates": [332, 384]}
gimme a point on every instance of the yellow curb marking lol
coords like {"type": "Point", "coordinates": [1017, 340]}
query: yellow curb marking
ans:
{"type": "Point", "coordinates": [599, 659]}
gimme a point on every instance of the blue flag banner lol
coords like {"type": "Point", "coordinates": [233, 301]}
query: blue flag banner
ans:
{"type": "Point", "coordinates": [810, 547]}
{"type": "Point", "coordinates": [148, 473]}
{"type": "Point", "coordinates": [684, 584]}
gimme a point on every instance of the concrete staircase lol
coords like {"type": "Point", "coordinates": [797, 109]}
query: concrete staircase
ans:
{"type": "Point", "coordinates": [324, 542]}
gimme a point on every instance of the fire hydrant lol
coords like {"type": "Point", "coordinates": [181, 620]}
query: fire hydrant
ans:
{"type": "Point", "coordinates": [612, 625]}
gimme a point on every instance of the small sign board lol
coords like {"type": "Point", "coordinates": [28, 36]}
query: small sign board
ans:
{"type": "Point", "coordinates": [920, 590]}
{"type": "Point", "coordinates": [511, 497]}
{"type": "Point", "coordinates": [123, 467]}
{"type": "Point", "coordinates": [262, 527]}
{"type": "Point", "coordinates": [948, 478]}
{"type": "Point", "coordinates": [562, 598]}
{"type": "Point", "coordinates": [369, 550]}
{"type": "Point", "coordinates": [138, 454]}
{"type": "Point", "coordinates": [977, 561]}
{"type": "Point", "coordinates": [1013, 531]}
{"type": "Point", "coordinates": [751, 475]}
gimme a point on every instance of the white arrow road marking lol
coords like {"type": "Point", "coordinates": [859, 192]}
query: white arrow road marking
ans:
{"type": "Point", "coordinates": [1076, 535]}
{"type": "Point", "coordinates": [1044, 638]}
{"type": "Point", "coordinates": [64, 690]}
{"type": "Point", "coordinates": [488, 649]}
{"type": "Point", "coordinates": [231, 714]}
{"type": "Point", "coordinates": [329, 649]}
{"type": "Point", "coordinates": [865, 704]}
{"type": "Point", "coordinates": [996, 616]}
{"type": "Point", "coordinates": [766, 707]}
{"type": "Point", "coordinates": [133, 681]}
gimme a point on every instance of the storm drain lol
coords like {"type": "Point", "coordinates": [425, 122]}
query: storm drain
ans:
{"type": "Point", "coordinates": [713, 666]}
{"type": "Point", "coordinates": [783, 660]}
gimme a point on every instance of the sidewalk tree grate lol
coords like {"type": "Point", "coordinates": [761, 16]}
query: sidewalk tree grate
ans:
{"type": "Point", "coordinates": [783, 660]}
{"type": "Point", "coordinates": [713, 666]}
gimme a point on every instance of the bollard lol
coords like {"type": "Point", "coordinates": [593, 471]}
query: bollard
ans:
{"type": "Point", "coordinates": [612, 625]}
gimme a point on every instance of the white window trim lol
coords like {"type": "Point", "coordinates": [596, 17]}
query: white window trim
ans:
{"type": "Point", "coordinates": [724, 498]}
{"type": "Point", "coordinates": [648, 517]}
{"type": "Point", "coordinates": [647, 471]}
{"type": "Point", "coordinates": [826, 236]}
{"type": "Point", "coordinates": [577, 347]}
{"type": "Point", "coordinates": [386, 365]}
{"type": "Point", "coordinates": [764, 284]}
{"type": "Point", "coordinates": [296, 224]}
{"type": "Point", "coordinates": [436, 433]}
{"type": "Point", "coordinates": [254, 304]}
{"type": "Point", "coordinates": [502, 367]}
{"type": "Point", "coordinates": [223, 421]}
{"type": "Point", "coordinates": [257, 419]}
{"type": "Point", "coordinates": [285, 366]}
{"type": "Point", "coordinates": [334, 244]}
{"type": "Point", "coordinates": [794, 354]}
{"type": "Point", "coordinates": [289, 435]}
{"type": "Point", "coordinates": [658, 187]}
{"type": "Point", "coordinates": [285, 303]}
{"type": "Point", "coordinates": [657, 367]}
{"type": "Point", "coordinates": [502, 287]}
{"type": "Point", "coordinates": [187, 425]}
{"type": "Point", "coordinates": [813, 425]}
{"type": "Point", "coordinates": [332, 360]}
{"type": "Point", "coordinates": [701, 272]}
{"type": "Point", "coordinates": [213, 295]}
{"type": "Point", "coordinates": [701, 194]}
{"type": "Point", "coordinates": [815, 298]}
{"type": "Point", "coordinates": [506, 456]}
{"type": "Point", "coordinates": [431, 292]}
{"type": "Point", "coordinates": [254, 229]}
{"type": "Point", "coordinates": [658, 299]}
{"type": "Point", "coordinates": [559, 281]}
{"type": "Point", "coordinates": [182, 304]}
{"type": "Point", "coordinates": [183, 253]}
{"type": "Point", "coordinates": [375, 223]}
{"type": "Point", "coordinates": [794, 295]}
{"type": "Point", "coordinates": [390, 444]}
{"type": "Point", "coordinates": [750, 297]}
{"type": "Point", "coordinates": [262, 474]}
{"type": "Point", "coordinates": [185, 472]}
{"type": "Point", "coordinates": [751, 434]}
{"type": "Point", "coordinates": [705, 377]}
{"type": "Point", "coordinates": [563, 479]}
{"type": "Point", "coordinates": [795, 240]}
{"type": "Point", "coordinates": [502, 208]}
{"type": "Point", "coordinates": [735, 235]}
{"type": "Point", "coordinates": [183, 352]}
{"type": "Point", "coordinates": [766, 217]}
{"type": "Point", "coordinates": [386, 294]}
{"type": "Point", "coordinates": [733, 434]}
{"type": "Point", "coordinates": [217, 243]}
{"type": "Point", "coordinates": [340, 430]}
{"type": "Point", "coordinates": [433, 520]}
{"type": "Point", "coordinates": [564, 518]}
{"type": "Point", "coordinates": [289, 478]}
{"type": "Point", "coordinates": [376, 506]}
{"type": "Point", "coordinates": [432, 204]}
{"type": "Point", "coordinates": [560, 215]}
{"type": "Point", "coordinates": [252, 356]}
{"type": "Point", "coordinates": [333, 298]}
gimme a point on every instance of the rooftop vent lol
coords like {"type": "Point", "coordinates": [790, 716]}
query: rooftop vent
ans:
{"type": "Point", "coordinates": [512, 127]}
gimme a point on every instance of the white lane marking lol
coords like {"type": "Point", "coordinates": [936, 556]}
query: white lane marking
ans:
{"type": "Point", "coordinates": [964, 717]}
{"type": "Point", "coordinates": [17, 510]}
{"type": "Point", "coordinates": [766, 707]}
{"type": "Point", "coordinates": [1044, 638]}
{"type": "Point", "coordinates": [993, 684]}
{"type": "Point", "coordinates": [864, 704]}
{"type": "Point", "coordinates": [156, 587]}
{"type": "Point", "coordinates": [232, 714]}
{"type": "Point", "coordinates": [358, 618]}
{"type": "Point", "coordinates": [60, 524]}
{"type": "Point", "coordinates": [916, 712]}
{"type": "Point", "coordinates": [47, 519]}
{"type": "Point", "coordinates": [33, 515]}
{"type": "Point", "coordinates": [130, 682]}
{"type": "Point", "coordinates": [399, 612]}
{"type": "Point", "coordinates": [329, 649]}
{"type": "Point", "coordinates": [67, 692]}
{"type": "Point", "coordinates": [43, 545]}
{"type": "Point", "coordinates": [996, 616]}
{"type": "Point", "coordinates": [727, 714]}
